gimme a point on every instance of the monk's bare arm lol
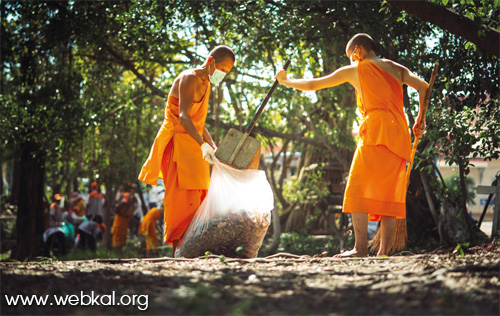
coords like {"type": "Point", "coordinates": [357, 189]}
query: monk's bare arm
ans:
{"type": "Point", "coordinates": [187, 89]}
{"type": "Point", "coordinates": [208, 138]}
{"type": "Point", "coordinates": [409, 78]}
{"type": "Point", "coordinates": [338, 77]}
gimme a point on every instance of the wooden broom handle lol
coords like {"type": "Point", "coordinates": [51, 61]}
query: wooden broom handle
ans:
{"type": "Point", "coordinates": [263, 105]}
{"type": "Point", "coordinates": [428, 93]}
{"type": "Point", "coordinates": [422, 123]}
{"type": "Point", "coordinates": [255, 118]}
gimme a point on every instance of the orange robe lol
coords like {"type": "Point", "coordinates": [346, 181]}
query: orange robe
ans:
{"type": "Point", "coordinates": [120, 227]}
{"type": "Point", "coordinates": [119, 231]}
{"type": "Point", "coordinates": [148, 228]}
{"type": "Point", "coordinates": [177, 158]}
{"type": "Point", "coordinates": [377, 181]}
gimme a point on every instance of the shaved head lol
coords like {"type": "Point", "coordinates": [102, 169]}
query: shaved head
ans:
{"type": "Point", "coordinates": [221, 52]}
{"type": "Point", "coordinates": [361, 39]}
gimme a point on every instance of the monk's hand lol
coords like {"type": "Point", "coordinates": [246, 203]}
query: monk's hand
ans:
{"type": "Point", "coordinates": [281, 76]}
{"type": "Point", "coordinates": [208, 153]}
{"type": "Point", "coordinates": [419, 129]}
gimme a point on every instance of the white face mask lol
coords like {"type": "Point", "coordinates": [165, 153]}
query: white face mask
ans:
{"type": "Point", "coordinates": [217, 76]}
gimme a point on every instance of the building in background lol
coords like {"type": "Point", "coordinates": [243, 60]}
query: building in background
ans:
{"type": "Point", "coordinates": [483, 173]}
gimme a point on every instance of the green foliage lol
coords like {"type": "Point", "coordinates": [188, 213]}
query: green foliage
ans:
{"type": "Point", "coordinates": [240, 250]}
{"type": "Point", "coordinates": [485, 15]}
{"type": "Point", "coordinates": [464, 112]}
{"type": "Point", "coordinates": [482, 12]}
{"type": "Point", "coordinates": [307, 186]}
{"type": "Point", "coordinates": [461, 248]}
{"type": "Point", "coordinates": [40, 77]}
{"type": "Point", "coordinates": [468, 133]}
{"type": "Point", "coordinates": [302, 244]}
{"type": "Point", "coordinates": [223, 260]}
{"type": "Point", "coordinates": [454, 190]}
{"type": "Point", "coordinates": [6, 255]}
{"type": "Point", "coordinates": [44, 259]}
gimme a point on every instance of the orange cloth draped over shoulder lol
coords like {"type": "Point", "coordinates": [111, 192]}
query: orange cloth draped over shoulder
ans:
{"type": "Point", "coordinates": [147, 228]}
{"type": "Point", "coordinates": [177, 158]}
{"type": "Point", "coordinates": [377, 178]}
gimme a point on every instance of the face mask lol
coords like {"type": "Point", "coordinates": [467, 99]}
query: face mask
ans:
{"type": "Point", "coordinates": [217, 76]}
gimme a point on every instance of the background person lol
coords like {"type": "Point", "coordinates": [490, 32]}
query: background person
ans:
{"type": "Point", "coordinates": [123, 214]}
{"type": "Point", "coordinates": [55, 211]}
{"type": "Point", "coordinates": [95, 203]}
{"type": "Point", "coordinates": [147, 228]}
{"type": "Point", "coordinates": [88, 232]}
{"type": "Point", "coordinates": [77, 200]}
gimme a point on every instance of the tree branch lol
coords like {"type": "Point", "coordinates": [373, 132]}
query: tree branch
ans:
{"type": "Point", "coordinates": [336, 152]}
{"type": "Point", "coordinates": [130, 66]}
{"type": "Point", "coordinates": [453, 22]}
{"type": "Point", "coordinates": [167, 62]}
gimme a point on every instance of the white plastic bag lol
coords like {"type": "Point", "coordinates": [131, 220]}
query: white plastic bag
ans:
{"type": "Point", "coordinates": [233, 218]}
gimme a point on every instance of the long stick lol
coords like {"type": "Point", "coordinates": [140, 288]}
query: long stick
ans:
{"type": "Point", "coordinates": [422, 123]}
{"type": "Point", "coordinates": [266, 99]}
{"type": "Point", "coordinates": [255, 118]}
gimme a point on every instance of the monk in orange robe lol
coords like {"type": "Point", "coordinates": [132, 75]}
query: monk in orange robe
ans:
{"type": "Point", "coordinates": [147, 228]}
{"type": "Point", "coordinates": [183, 147]}
{"type": "Point", "coordinates": [124, 211]}
{"type": "Point", "coordinates": [376, 188]}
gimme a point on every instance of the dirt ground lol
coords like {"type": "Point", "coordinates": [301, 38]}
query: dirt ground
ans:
{"type": "Point", "coordinates": [437, 283]}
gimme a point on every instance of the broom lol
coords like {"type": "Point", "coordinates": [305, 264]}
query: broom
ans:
{"type": "Point", "coordinates": [398, 242]}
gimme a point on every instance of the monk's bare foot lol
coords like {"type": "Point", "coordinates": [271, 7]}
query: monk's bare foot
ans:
{"type": "Point", "coordinates": [351, 254]}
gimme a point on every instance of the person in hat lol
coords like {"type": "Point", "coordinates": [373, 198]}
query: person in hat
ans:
{"type": "Point", "coordinates": [376, 187]}
{"type": "Point", "coordinates": [71, 217]}
{"type": "Point", "coordinates": [77, 200]}
{"type": "Point", "coordinates": [183, 147]}
{"type": "Point", "coordinates": [55, 211]}
{"type": "Point", "coordinates": [95, 203]}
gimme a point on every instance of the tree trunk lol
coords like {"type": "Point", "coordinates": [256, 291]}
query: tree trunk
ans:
{"type": "Point", "coordinates": [277, 188]}
{"type": "Point", "coordinates": [16, 182]}
{"type": "Point", "coordinates": [422, 230]}
{"type": "Point", "coordinates": [29, 223]}
{"type": "Point", "coordinates": [463, 188]}
{"type": "Point", "coordinates": [275, 219]}
{"type": "Point", "coordinates": [145, 208]}
{"type": "Point", "coordinates": [109, 200]}
{"type": "Point", "coordinates": [1, 169]}
{"type": "Point", "coordinates": [484, 37]}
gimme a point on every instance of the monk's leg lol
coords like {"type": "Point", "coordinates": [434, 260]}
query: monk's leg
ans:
{"type": "Point", "coordinates": [360, 224]}
{"type": "Point", "coordinates": [387, 228]}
